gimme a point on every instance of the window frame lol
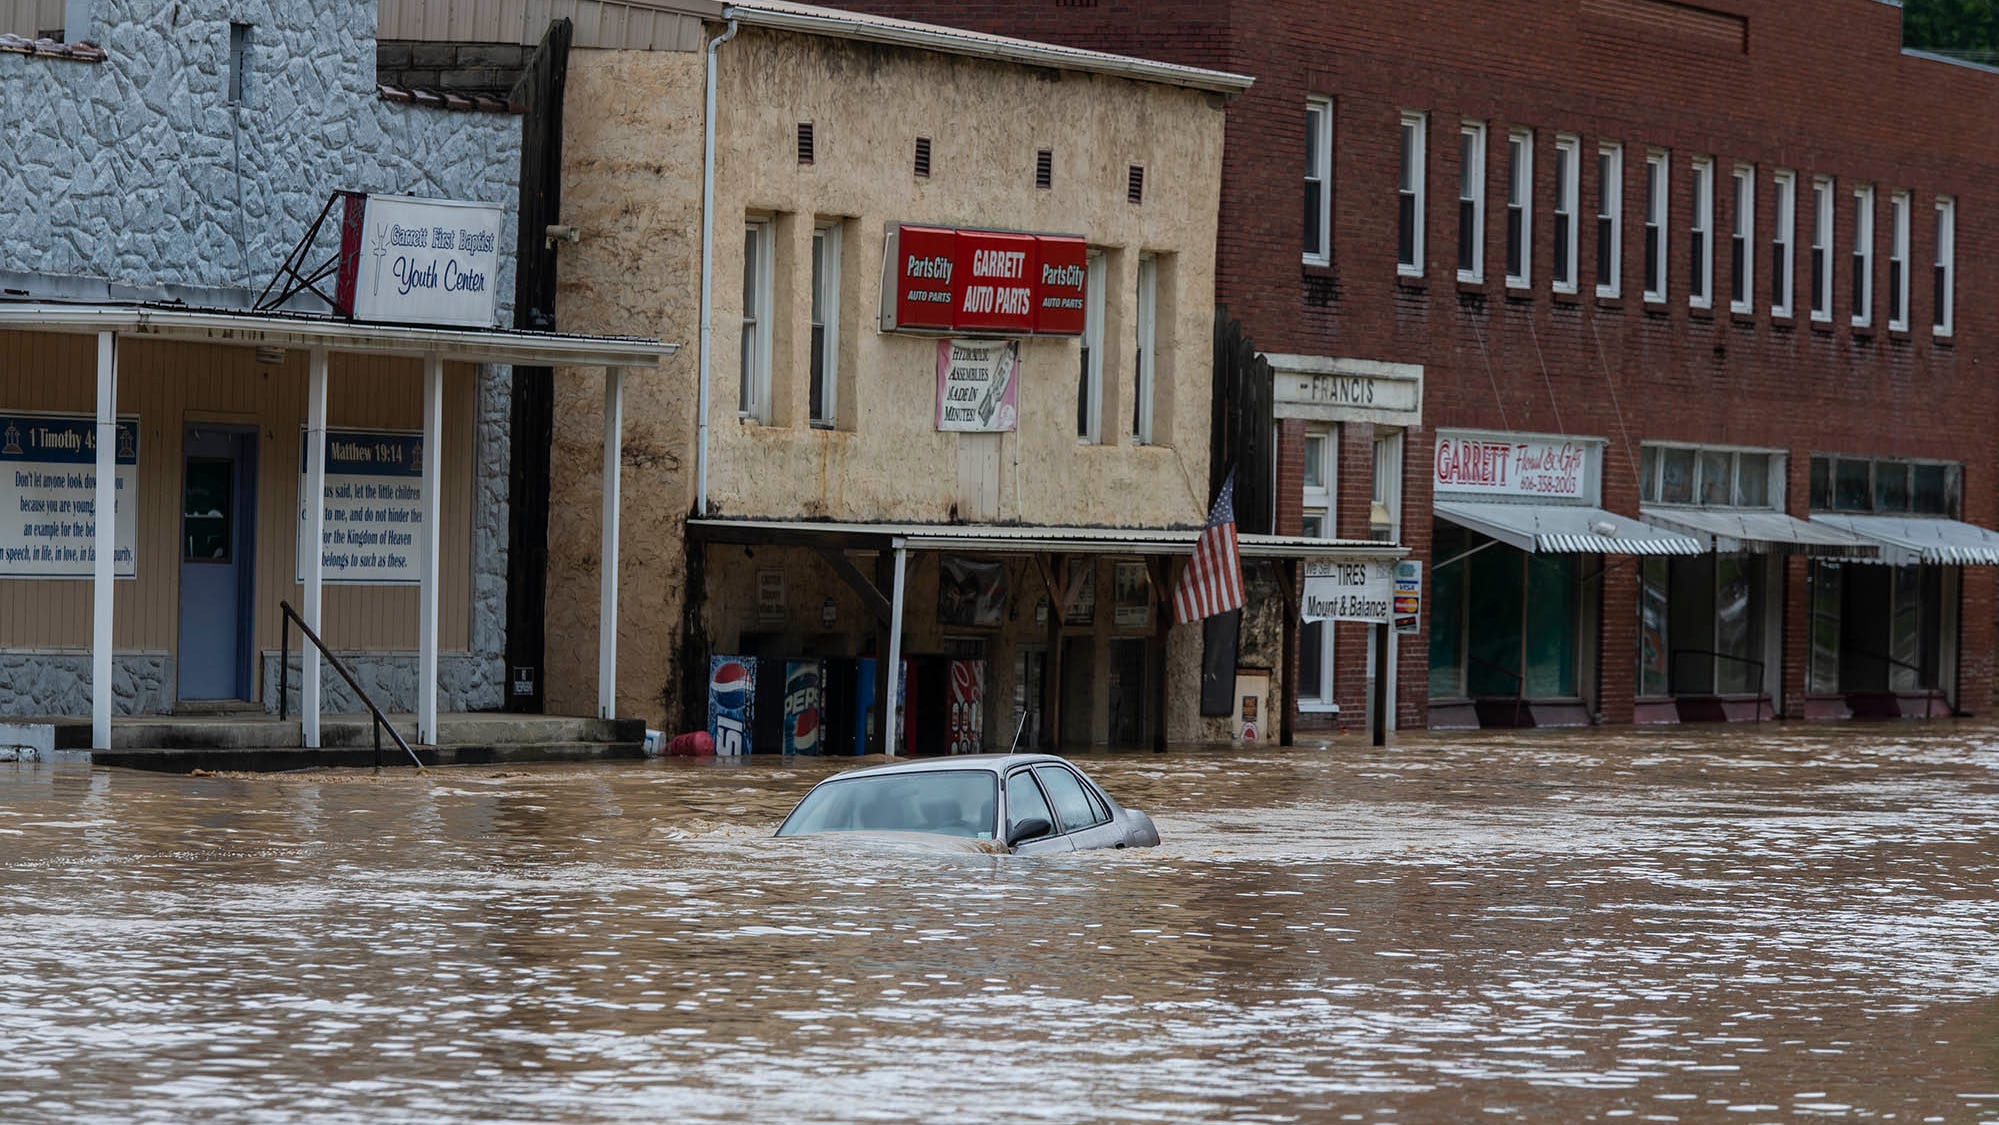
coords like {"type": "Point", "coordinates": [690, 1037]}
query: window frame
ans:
{"type": "Point", "coordinates": [1320, 172]}
{"type": "Point", "coordinates": [825, 321]}
{"type": "Point", "coordinates": [1823, 273]}
{"type": "Point", "coordinates": [1742, 240]}
{"type": "Point", "coordinates": [1090, 392]}
{"type": "Point", "coordinates": [1520, 207]}
{"type": "Point", "coordinates": [1610, 219]}
{"type": "Point", "coordinates": [1784, 277]}
{"type": "Point", "coordinates": [753, 385]}
{"type": "Point", "coordinates": [1944, 269]}
{"type": "Point", "coordinates": [1700, 285]}
{"type": "Point", "coordinates": [1862, 256]}
{"type": "Point", "coordinates": [1062, 825]}
{"type": "Point", "coordinates": [1652, 475]}
{"type": "Point", "coordinates": [1658, 196]}
{"type": "Point", "coordinates": [1145, 382]}
{"type": "Point", "coordinates": [1471, 176]}
{"type": "Point", "coordinates": [1569, 183]}
{"type": "Point", "coordinates": [1414, 132]}
{"type": "Point", "coordinates": [1899, 208]}
{"type": "Point", "coordinates": [1321, 502]}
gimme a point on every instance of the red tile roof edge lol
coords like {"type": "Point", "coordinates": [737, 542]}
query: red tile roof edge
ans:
{"type": "Point", "coordinates": [445, 99]}
{"type": "Point", "coordinates": [82, 50]}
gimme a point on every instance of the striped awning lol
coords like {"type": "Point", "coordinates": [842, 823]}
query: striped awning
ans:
{"type": "Point", "coordinates": [1915, 540]}
{"type": "Point", "coordinates": [1571, 529]}
{"type": "Point", "coordinates": [1763, 532]}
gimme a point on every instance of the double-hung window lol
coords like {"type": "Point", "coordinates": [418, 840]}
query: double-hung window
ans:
{"type": "Point", "coordinates": [1944, 279]}
{"type": "Point", "coordinates": [1520, 208]}
{"type": "Point", "coordinates": [1471, 202]}
{"type": "Point", "coordinates": [1783, 269]}
{"type": "Point", "coordinates": [1568, 189]}
{"type": "Point", "coordinates": [1655, 225]}
{"type": "Point", "coordinates": [1090, 379]}
{"type": "Point", "coordinates": [1700, 264]}
{"type": "Point", "coordinates": [1821, 248]}
{"type": "Point", "coordinates": [1315, 638]}
{"type": "Point", "coordinates": [1742, 241]}
{"type": "Point", "coordinates": [1609, 219]}
{"type": "Point", "coordinates": [1144, 385]}
{"type": "Point", "coordinates": [1318, 181]}
{"type": "Point", "coordinates": [1898, 262]}
{"type": "Point", "coordinates": [753, 385]}
{"type": "Point", "coordinates": [1863, 256]}
{"type": "Point", "coordinates": [1409, 198]}
{"type": "Point", "coordinates": [825, 324]}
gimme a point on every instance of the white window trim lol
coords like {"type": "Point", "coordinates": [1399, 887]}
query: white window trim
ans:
{"type": "Point", "coordinates": [1863, 248]}
{"type": "Point", "coordinates": [1523, 181]}
{"type": "Point", "coordinates": [1742, 187]}
{"type": "Point", "coordinates": [1943, 320]}
{"type": "Point", "coordinates": [757, 408]}
{"type": "Point", "coordinates": [1822, 244]}
{"type": "Point", "coordinates": [1701, 295]}
{"type": "Point", "coordinates": [1419, 173]}
{"type": "Point", "coordinates": [1145, 384]}
{"type": "Point", "coordinates": [1325, 701]}
{"type": "Point", "coordinates": [1785, 184]}
{"type": "Point", "coordinates": [1093, 339]}
{"type": "Point", "coordinates": [1659, 221]}
{"type": "Point", "coordinates": [1476, 131]}
{"type": "Point", "coordinates": [1323, 174]}
{"type": "Point", "coordinates": [1388, 479]}
{"type": "Point", "coordinates": [829, 311]}
{"type": "Point", "coordinates": [1572, 187]}
{"type": "Point", "coordinates": [1898, 259]}
{"type": "Point", "coordinates": [1610, 205]}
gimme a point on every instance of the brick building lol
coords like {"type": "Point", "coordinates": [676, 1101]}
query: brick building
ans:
{"type": "Point", "coordinates": [1692, 304]}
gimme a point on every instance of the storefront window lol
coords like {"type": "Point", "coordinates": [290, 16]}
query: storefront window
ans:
{"type": "Point", "coordinates": [1891, 486]}
{"type": "Point", "coordinates": [1447, 612]}
{"type": "Point", "coordinates": [1676, 485]}
{"type": "Point", "coordinates": [1717, 481]}
{"type": "Point", "coordinates": [1652, 633]}
{"type": "Point", "coordinates": [1828, 586]}
{"type": "Point", "coordinates": [1877, 628]}
{"type": "Point", "coordinates": [1738, 633]}
{"type": "Point", "coordinates": [1850, 487]}
{"type": "Point", "coordinates": [1752, 480]}
{"type": "Point", "coordinates": [1551, 626]}
{"type": "Point", "coordinates": [1715, 478]}
{"type": "Point", "coordinates": [1850, 484]}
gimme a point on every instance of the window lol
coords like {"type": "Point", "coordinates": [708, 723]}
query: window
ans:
{"type": "Point", "coordinates": [1568, 186]}
{"type": "Point", "coordinates": [1898, 262]}
{"type": "Point", "coordinates": [1944, 279]}
{"type": "Point", "coordinates": [1318, 487]}
{"type": "Point", "coordinates": [1385, 511]}
{"type": "Point", "coordinates": [1785, 223]}
{"type": "Point", "coordinates": [1471, 202]}
{"type": "Point", "coordinates": [1024, 802]}
{"type": "Point", "coordinates": [1318, 181]}
{"type": "Point", "coordinates": [1700, 266]}
{"type": "Point", "coordinates": [1655, 226]}
{"type": "Point", "coordinates": [1143, 383]}
{"type": "Point", "coordinates": [239, 60]}
{"type": "Point", "coordinates": [1519, 208]}
{"type": "Point", "coordinates": [825, 323]}
{"type": "Point", "coordinates": [1821, 249]}
{"type": "Point", "coordinates": [1858, 484]}
{"type": "Point", "coordinates": [1072, 802]}
{"type": "Point", "coordinates": [1609, 219]}
{"type": "Point", "coordinates": [754, 384]}
{"type": "Point", "coordinates": [1741, 237]}
{"type": "Point", "coordinates": [208, 510]}
{"type": "Point", "coordinates": [1863, 257]}
{"type": "Point", "coordinates": [1090, 380]}
{"type": "Point", "coordinates": [1711, 478]}
{"type": "Point", "coordinates": [1315, 638]}
{"type": "Point", "coordinates": [1409, 199]}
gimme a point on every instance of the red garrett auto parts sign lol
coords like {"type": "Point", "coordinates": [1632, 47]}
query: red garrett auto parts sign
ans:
{"type": "Point", "coordinates": [992, 282]}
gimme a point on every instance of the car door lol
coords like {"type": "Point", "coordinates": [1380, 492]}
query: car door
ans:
{"type": "Point", "coordinates": [1025, 801]}
{"type": "Point", "coordinates": [1084, 817]}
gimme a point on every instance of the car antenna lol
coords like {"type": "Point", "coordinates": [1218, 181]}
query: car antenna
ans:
{"type": "Point", "coordinates": [1018, 727]}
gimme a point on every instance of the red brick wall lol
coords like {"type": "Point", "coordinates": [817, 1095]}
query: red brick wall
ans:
{"type": "Point", "coordinates": [1785, 93]}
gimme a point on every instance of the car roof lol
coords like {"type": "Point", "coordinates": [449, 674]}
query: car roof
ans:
{"type": "Point", "coordinates": [986, 763]}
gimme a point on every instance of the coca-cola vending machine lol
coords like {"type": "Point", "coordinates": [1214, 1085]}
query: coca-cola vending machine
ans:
{"type": "Point", "coordinates": [965, 730]}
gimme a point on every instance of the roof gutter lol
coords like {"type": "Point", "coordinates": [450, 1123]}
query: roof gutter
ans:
{"type": "Point", "coordinates": [707, 273]}
{"type": "Point", "coordinates": [943, 39]}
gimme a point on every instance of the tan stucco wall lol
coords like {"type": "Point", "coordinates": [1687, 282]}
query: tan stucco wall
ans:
{"type": "Point", "coordinates": [632, 185]}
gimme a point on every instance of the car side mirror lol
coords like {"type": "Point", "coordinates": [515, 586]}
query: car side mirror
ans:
{"type": "Point", "coordinates": [1032, 828]}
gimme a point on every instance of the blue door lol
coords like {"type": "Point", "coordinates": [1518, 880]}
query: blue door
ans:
{"type": "Point", "coordinates": [217, 562]}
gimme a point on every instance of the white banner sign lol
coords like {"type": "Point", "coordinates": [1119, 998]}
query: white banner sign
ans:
{"type": "Point", "coordinates": [1502, 465]}
{"type": "Point", "coordinates": [978, 384]}
{"type": "Point", "coordinates": [48, 496]}
{"type": "Point", "coordinates": [420, 261]}
{"type": "Point", "coordinates": [1348, 591]}
{"type": "Point", "coordinates": [374, 509]}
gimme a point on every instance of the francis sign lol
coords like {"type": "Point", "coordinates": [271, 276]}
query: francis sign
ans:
{"type": "Point", "coordinates": [1348, 591]}
{"type": "Point", "coordinates": [405, 260]}
{"type": "Point", "coordinates": [48, 496]}
{"type": "Point", "coordinates": [374, 508]}
{"type": "Point", "coordinates": [948, 280]}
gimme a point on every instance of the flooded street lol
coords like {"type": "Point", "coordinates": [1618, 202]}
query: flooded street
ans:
{"type": "Point", "coordinates": [1744, 925]}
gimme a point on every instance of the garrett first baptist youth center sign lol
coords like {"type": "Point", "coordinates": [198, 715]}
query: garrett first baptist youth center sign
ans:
{"type": "Point", "coordinates": [405, 260]}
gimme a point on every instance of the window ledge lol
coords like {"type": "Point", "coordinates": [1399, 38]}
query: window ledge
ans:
{"type": "Point", "coordinates": [1567, 297]}
{"type": "Point", "coordinates": [1411, 284]}
{"type": "Point", "coordinates": [1307, 707]}
{"type": "Point", "coordinates": [1473, 288]}
{"type": "Point", "coordinates": [1946, 342]}
{"type": "Point", "coordinates": [1700, 312]}
{"type": "Point", "coordinates": [1610, 302]}
{"type": "Point", "coordinates": [1863, 332]}
{"type": "Point", "coordinates": [1316, 269]}
{"type": "Point", "coordinates": [1823, 326]}
{"type": "Point", "coordinates": [1783, 320]}
{"type": "Point", "coordinates": [1742, 319]}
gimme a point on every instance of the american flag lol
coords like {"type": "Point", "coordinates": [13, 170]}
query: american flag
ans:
{"type": "Point", "coordinates": [1212, 582]}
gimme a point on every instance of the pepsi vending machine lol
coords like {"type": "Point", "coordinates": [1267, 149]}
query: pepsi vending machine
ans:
{"type": "Point", "coordinates": [732, 696]}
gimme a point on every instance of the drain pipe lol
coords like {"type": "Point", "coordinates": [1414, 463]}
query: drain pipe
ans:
{"type": "Point", "coordinates": [707, 272]}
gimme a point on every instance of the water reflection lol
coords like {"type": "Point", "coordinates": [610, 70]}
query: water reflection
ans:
{"type": "Point", "coordinates": [1766, 924]}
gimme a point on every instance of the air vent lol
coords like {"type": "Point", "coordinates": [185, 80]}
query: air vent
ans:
{"type": "Point", "coordinates": [923, 158]}
{"type": "Point", "coordinates": [805, 142]}
{"type": "Point", "coordinates": [1044, 168]}
{"type": "Point", "coordinates": [1135, 184]}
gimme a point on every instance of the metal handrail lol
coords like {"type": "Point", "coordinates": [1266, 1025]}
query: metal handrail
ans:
{"type": "Point", "coordinates": [291, 617]}
{"type": "Point", "coordinates": [1760, 666]}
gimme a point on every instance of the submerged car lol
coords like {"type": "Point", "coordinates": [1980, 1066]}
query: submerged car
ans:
{"type": "Point", "coordinates": [1027, 804]}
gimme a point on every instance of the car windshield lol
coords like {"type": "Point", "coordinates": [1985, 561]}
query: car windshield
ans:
{"type": "Point", "coordinates": [949, 802]}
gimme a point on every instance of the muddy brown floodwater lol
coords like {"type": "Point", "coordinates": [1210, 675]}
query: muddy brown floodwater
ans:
{"type": "Point", "coordinates": [1742, 925]}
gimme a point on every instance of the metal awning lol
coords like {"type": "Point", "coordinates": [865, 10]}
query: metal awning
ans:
{"type": "Point", "coordinates": [1024, 540]}
{"type": "Point", "coordinates": [1913, 540]}
{"type": "Point", "coordinates": [1731, 530]}
{"type": "Point", "coordinates": [1574, 529]}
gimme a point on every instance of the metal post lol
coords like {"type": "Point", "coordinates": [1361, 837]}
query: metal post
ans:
{"type": "Point", "coordinates": [607, 568]}
{"type": "Point", "coordinates": [285, 666]}
{"type": "Point", "coordinates": [312, 543]}
{"type": "Point", "coordinates": [426, 675]}
{"type": "Point", "coordinates": [894, 669]}
{"type": "Point", "coordinates": [1380, 707]}
{"type": "Point", "coordinates": [104, 541]}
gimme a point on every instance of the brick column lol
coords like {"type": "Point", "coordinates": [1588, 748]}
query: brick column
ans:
{"type": "Point", "coordinates": [1354, 499]}
{"type": "Point", "coordinates": [1797, 595]}
{"type": "Point", "coordinates": [1412, 688]}
{"type": "Point", "coordinates": [1617, 641]}
{"type": "Point", "coordinates": [1975, 630]}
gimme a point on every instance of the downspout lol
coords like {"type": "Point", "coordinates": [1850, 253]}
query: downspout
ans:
{"type": "Point", "coordinates": [707, 273]}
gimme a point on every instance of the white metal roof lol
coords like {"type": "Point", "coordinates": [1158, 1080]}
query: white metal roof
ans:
{"type": "Point", "coordinates": [1912, 540]}
{"type": "Point", "coordinates": [244, 328]}
{"type": "Point", "coordinates": [1033, 540]}
{"type": "Point", "coordinates": [787, 16]}
{"type": "Point", "coordinates": [1574, 529]}
{"type": "Point", "coordinates": [1730, 530]}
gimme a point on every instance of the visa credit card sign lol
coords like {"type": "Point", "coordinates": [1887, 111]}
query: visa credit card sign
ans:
{"type": "Point", "coordinates": [405, 260]}
{"type": "Point", "coordinates": [946, 279]}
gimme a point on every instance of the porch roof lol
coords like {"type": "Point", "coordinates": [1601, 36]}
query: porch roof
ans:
{"type": "Point", "coordinates": [1019, 539]}
{"type": "Point", "coordinates": [1574, 529]}
{"type": "Point", "coordinates": [1913, 540]}
{"type": "Point", "coordinates": [1730, 530]}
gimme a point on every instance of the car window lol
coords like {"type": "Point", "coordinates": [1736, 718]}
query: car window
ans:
{"type": "Point", "coordinates": [1024, 801]}
{"type": "Point", "coordinates": [1065, 789]}
{"type": "Point", "coordinates": [1097, 802]}
{"type": "Point", "coordinates": [951, 802]}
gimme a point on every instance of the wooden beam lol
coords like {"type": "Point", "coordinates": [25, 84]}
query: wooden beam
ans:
{"type": "Point", "coordinates": [843, 566]}
{"type": "Point", "coordinates": [1051, 700]}
{"type": "Point", "coordinates": [1288, 589]}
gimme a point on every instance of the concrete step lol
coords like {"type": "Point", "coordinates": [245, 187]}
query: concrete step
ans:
{"type": "Point", "coordinates": [272, 759]}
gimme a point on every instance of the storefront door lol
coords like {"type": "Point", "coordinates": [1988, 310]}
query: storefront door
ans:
{"type": "Point", "coordinates": [1129, 697]}
{"type": "Point", "coordinates": [217, 562]}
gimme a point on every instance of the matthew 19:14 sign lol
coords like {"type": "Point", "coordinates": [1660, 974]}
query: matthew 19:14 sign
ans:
{"type": "Point", "coordinates": [373, 508]}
